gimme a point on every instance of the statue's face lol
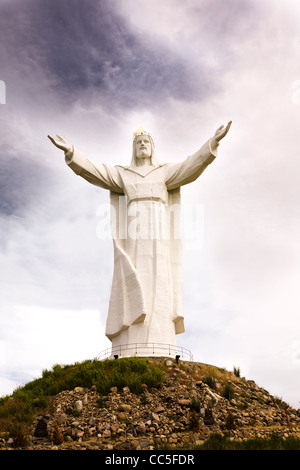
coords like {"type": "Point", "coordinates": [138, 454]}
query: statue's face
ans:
{"type": "Point", "coordinates": [143, 146]}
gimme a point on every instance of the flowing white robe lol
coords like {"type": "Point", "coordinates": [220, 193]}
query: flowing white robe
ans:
{"type": "Point", "coordinates": [146, 304]}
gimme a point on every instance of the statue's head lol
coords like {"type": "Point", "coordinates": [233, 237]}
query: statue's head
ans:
{"type": "Point", "coordinates": [143, 147]}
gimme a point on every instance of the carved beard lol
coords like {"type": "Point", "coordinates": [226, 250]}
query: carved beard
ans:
{"type": "Point", "coordinates": [153, 159]}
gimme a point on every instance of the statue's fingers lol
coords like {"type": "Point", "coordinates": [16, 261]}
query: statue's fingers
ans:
{"type": "Point", "coordinates": [60, 138]}
{"type": "Point", "coordinates": [228, 126]}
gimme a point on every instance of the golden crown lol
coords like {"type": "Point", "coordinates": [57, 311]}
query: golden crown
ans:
{"type": "Point", "coordinates": [140, 131]}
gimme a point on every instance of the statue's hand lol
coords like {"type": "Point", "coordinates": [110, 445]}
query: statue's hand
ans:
{"type": "Point", "coordinates": [222, 131]}
{"type": "Point", "coordinates": [60, 143]}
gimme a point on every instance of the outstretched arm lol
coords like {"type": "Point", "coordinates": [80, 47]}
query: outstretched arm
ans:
{"type": "Point", "coordinates": [99, 174]}
{"type": "Point", "coordinates": [178, 174]}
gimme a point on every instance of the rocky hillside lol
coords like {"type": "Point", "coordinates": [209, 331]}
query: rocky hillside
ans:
{"type": "Point", "coordinates": [194, 401]}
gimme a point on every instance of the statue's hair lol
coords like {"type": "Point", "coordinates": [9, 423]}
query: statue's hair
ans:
{"type": "Point", "coordinates": [153, 158]}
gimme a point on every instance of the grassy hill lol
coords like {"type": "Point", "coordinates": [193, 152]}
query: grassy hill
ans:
{"type": "Point", "coordinates": [36, 396]}
{"type": "Point", "coordinates": [134, 403]}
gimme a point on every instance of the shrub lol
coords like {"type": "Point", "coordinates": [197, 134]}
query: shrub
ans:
{"type": "Point", "coordinates": [236, 371]}
{"type": "Point", "coordinates": [194, 421]}
{"type": "Point", "coordinates": [227, 391]}
{"type": "Point", "coordinates": [278, 401]}
{"type": "Point", "coordinates": [210, 380]}
{"type": "Point", "coordinates": [195, 405]}
{"type": "Point", "coordinates": [19, 433]}
{"type": "Point", "coordinates": [229, 421]}
{"type": "Point", "coordinates": [57, 435]}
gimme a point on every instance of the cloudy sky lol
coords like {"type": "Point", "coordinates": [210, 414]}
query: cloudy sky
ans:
{"type": "Point", "coordinates": [94, 71]}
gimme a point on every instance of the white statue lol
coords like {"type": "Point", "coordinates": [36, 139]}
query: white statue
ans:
{"type": "Point", "coordinates": [146, 304]}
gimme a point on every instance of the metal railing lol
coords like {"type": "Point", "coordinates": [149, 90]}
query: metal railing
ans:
{"type": "Point", "coordinates": [144, 349]}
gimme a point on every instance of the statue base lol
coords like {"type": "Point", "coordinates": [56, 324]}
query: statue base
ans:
{"type": "Point", "coordinates": [146, 350]}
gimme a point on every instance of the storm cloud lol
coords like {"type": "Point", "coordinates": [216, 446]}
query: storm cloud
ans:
{"type": "Point", "coordinates": [89, 50]}
{"type": "Point", "coordinates": [86, 48]}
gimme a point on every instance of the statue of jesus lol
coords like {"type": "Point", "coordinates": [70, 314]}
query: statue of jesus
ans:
{"type": "Point", "coordinates": [146, 302]}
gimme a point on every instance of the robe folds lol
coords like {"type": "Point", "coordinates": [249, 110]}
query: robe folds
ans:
{"type": "Point", "coordinates": [146, 302]}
